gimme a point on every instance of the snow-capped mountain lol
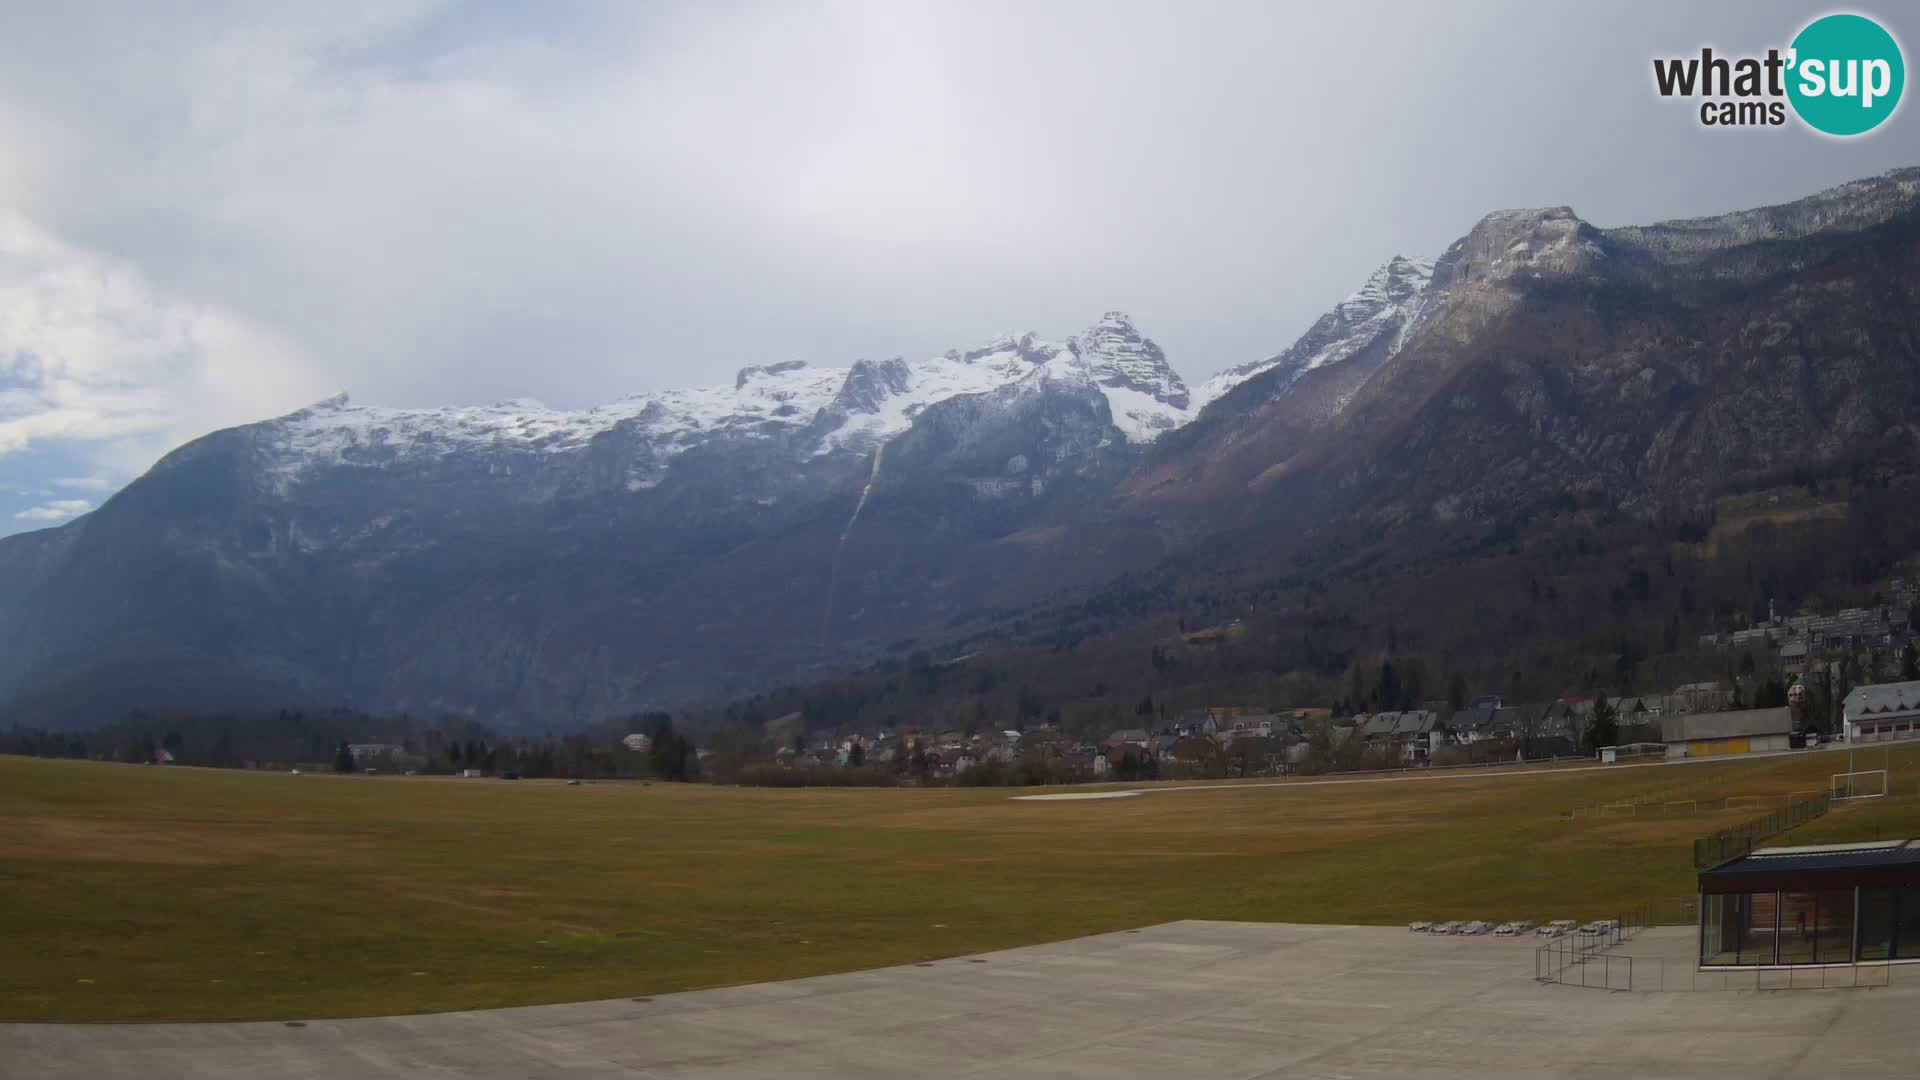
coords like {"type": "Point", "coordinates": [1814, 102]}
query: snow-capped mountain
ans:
{"type": "Point", "coordinates": [541, 567]}
{"type": "Point", "coordinates": [1387, 307]}
{"type": "Point", "coordinates": [811, 411]}
{"type": "Point", "coordinates": [1147, 397]}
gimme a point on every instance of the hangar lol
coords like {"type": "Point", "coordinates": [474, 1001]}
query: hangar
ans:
{"type": "Point", "coordinates": [1741, 732]}
{"type": "Point", "coordinates": [1824, 904]}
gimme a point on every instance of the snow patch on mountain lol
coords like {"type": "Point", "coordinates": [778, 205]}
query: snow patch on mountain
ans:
{"type": "Point", "coordinates": [821, 410]}
{"type": "Point", "coordinates": [887, 409]}
{"type": "Point", "coordinates": [1390, 303]}
{"type": "Point", "coordinates": [1147, 397]}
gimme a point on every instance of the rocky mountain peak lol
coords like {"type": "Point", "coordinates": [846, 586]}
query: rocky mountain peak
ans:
{"type": "Point", "coordinates": [1146, 395]}
{"type": "Point", "coordinates": [1116, 354]}
{"type": "Point", "coordinates": [1382, 310]}
{"type": "Point", "coordinates": [869, 384]}
{"type": "Point", "coordinates": [1398, 281]}
{"type": "Point", "coordinates": [1510, 243]}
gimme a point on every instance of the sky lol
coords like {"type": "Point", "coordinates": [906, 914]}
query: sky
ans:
{"type": "Point", "coordinates": [216, 212]}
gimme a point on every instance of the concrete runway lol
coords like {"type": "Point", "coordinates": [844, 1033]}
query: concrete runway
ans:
{"type": "Point", "coordinates": [1182, 999]}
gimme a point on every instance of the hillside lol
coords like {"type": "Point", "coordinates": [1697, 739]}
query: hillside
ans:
{"type": "Point", "coordinates": [1543, 416]}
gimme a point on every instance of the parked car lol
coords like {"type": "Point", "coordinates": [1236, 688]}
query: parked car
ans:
{"type": "Point", "coordinates": [1523, 926]}
{"type": "Point", "coordinates": [1451, 927]}
{"type": "Point", "coordinates": [1505, 929]}
{"type": "Point", "coordinates": [1419, 927]}
{"type": "Point", "coordinates": [1476, 926]}
{"type": "Point", "coordinates": [1557, 927]}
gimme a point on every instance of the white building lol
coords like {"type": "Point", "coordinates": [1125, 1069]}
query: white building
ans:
{"type": "Point", "coordinates": [1878, 713]}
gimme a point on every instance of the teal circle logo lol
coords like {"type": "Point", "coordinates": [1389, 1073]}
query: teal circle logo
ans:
{"type": "Point", "coordinates": [1846, 74]}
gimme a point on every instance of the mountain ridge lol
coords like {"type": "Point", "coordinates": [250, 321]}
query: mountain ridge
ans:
{"type": "Point", "coordinates": [536, 566]}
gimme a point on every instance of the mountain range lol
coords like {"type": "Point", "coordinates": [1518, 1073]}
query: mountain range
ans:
{"type": "Point", "coordinates": [539, 568]}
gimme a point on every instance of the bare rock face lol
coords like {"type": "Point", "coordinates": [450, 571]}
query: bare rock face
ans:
{"type": "Point", "coordinates": [1377, 317]}
{"type": "Point", "coordinates": [1118, 356]}
{"type": "Point", "coordinates": [869, 385]}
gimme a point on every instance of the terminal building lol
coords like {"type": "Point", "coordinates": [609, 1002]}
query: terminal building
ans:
{"type": "Point", "coordinates": [1826, 904]}
{"type": "Point", "coordinates": [1883, 712]}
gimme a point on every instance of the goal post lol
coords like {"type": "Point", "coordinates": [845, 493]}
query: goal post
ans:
{"type": "Point", "coordinates": [1864, 784]}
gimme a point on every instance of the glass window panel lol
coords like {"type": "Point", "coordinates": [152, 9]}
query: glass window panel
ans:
{"type": "Point", "coordinates": [1876, 924]}
{"type": "Point", "coordinates": [1799, 920]}
{"type": "Point", "coordinates": [1719, 930]}
{"type": "Point", "coordinates": [1833, 931]}
{"type": "Point", "coordinates": [1757, 918]}
{"type": "Point", "coordinates": [1907, 923]}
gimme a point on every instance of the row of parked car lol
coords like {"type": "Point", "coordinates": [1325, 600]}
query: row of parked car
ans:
{"type": "Point", "coordinates": [1511, 929]}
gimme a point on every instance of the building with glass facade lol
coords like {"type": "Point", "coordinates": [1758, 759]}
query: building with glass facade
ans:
{"type": "Point", "coordinates": [1829, 904]}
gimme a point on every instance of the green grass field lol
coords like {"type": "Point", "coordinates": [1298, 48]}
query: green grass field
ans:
{"type": "Point", "coordinates": [131, 893]}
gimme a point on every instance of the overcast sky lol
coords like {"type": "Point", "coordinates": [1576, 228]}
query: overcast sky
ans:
{"type": "Point", "coordinates": [213, 213]}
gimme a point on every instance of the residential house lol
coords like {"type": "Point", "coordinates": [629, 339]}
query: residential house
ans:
{"type": "Point", "coordinates": [1418, 734]}
{"type": "Point", "coordinates": [1196, 723]}
{"type": "Point", "coordinates": [1253, 724]}
{"type": "Point", "coordinates": [1476, 722]}
{"type": "Point", "coordinates": [1562, 729]}
{"type": "Point", "coordinates": [1194, 750]}
{"type": "Point", "coordinates": [1161, 747]}
{"type": "Point", "coordinates": [1376, 728]}
{"type": "Point", "coordinates": [1519, 722]}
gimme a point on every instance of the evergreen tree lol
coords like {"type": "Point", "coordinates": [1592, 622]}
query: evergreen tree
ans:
{"type": "Point", "coordinates": [343, 759]}
{"type": "Point", "coordinates": [1603, 729]}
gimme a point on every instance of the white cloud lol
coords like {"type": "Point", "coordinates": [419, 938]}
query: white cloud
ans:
{"type": "Point", "coordinates": [100, 481]}
{"type": "Point", "coordinates": [92, 354]}
{"type": "Point", "coordinates": [57, 510]}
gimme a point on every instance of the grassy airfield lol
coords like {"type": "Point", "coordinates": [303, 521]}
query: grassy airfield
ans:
{"type": "Point", "coordinates": [131, 893]}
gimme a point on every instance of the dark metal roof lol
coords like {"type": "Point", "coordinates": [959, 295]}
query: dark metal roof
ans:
{"type": "Point", "coordinates": [1822, 866]}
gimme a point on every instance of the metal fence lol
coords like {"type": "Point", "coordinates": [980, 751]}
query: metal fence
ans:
{"type": "Point", "coordinates": [1738, 840]}
{"type": "Point", "coordinates": [1586, 960]}
{"type": "Point", "coordinates": [1581, 959]}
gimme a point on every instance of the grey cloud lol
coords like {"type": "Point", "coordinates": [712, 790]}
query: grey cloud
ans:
{"type": "Point", "coordinates": [434, 204]}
